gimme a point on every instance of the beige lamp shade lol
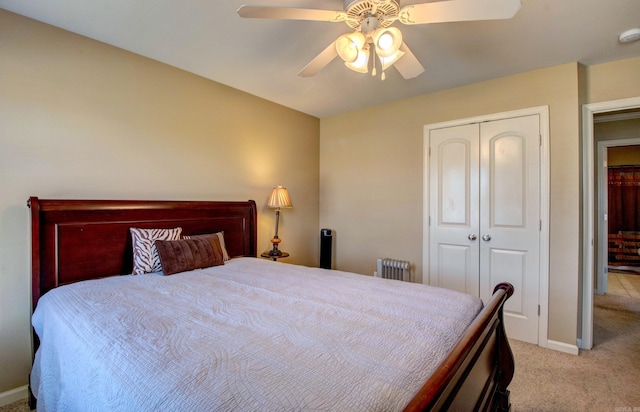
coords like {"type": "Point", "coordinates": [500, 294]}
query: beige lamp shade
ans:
{"type": "Point", "coordinates": [279, 198]}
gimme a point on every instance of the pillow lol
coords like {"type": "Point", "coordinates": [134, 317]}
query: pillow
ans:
{"type": "Point", "coordinates": [145, 255]}
{"type": "Point", "coordinates": [220, 236]}
{"type": "Point", "coordinates": [189, 254]}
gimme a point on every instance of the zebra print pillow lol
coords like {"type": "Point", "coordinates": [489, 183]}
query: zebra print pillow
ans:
{"type": "Point", "coordinates": [145, 254]}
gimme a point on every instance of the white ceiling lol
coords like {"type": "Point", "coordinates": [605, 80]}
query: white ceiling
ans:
{"type": "Point", "coordinates": [263, 57]}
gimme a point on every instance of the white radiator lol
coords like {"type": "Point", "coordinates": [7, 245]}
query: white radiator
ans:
{"type": "Point", "coordinates": [394, 269]}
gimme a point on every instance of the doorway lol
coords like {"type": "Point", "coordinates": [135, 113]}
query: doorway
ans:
{"type": "Point", "coordinates": [618, 190]}
{"type": "Point", "coordinates": [590, 246]}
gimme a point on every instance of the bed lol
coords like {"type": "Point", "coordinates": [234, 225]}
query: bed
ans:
{"type": "Point", "coordinates": [245, 334]}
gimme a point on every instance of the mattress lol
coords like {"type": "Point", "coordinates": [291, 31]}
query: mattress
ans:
{"type": "Point", "coordinates": [252, 334]}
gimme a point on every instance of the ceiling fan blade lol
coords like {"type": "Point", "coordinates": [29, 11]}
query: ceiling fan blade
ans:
{"type": "Point", "coordinates": [320, 61]}
{"type": "Point", "coordinates": [409, 66]}
{"type": "Point", "coordinates": [259, 12]}
{"type": "Point", "coordinates": [458, 10]}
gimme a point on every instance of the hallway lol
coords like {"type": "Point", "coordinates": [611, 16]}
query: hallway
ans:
{"type": "Point", "coordinates": [622, 283]}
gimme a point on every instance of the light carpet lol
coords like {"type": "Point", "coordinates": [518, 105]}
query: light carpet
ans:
{"type": "Point", "coordinates": [606, 378]}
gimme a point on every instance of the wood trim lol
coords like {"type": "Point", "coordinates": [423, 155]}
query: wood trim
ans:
{"type": "Point", "coordinates": [476, 373]}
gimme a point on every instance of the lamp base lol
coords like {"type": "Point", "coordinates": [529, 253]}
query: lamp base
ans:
{"type": "Point", "coordinates": [275, 252]}
{"type": "Point", "coordinates": [274, 258]}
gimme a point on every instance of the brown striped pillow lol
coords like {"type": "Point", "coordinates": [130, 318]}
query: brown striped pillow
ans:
{"type": "Point", "coordinates": [220, 236]}
{"type": "Point", "coordinates": [189, 254]}
{"type": "Point", "coordinates": [145, 254]}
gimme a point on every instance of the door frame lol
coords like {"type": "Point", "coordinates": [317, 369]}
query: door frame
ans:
{"type": "Point", "coordinates": [602, 227]}
{"type": "Point", "coordinates": [543, 112]}
{"type": "Point", "coordinates": [585, 341]}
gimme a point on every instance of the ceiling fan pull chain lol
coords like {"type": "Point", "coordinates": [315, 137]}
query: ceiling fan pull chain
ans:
{"type": "Point", "coordinates": [373, 62]}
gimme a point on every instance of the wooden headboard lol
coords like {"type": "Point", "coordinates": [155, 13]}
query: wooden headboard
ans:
{"type": "Point", "coordinates": [74, 240]}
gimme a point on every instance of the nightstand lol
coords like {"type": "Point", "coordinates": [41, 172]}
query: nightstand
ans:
{"type": "Point", "coordinates": [268, 256]}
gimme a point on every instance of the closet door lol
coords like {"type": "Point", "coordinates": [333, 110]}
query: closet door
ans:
{"type": "Point", "coordinates": [454, 208]}
{"type": "Point", "coordinates": [484, 219]}
{"type": "Point", "coordinates": [510, 218]}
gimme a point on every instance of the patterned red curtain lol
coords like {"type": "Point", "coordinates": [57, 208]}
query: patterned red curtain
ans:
{"type": "Point", "coordinates": [624, 199]}
{"type": "Point", "coordinates": [624, 216]}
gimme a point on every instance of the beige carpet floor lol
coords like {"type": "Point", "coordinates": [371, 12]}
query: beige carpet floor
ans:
{"type": "Point", "coordinates": [606, 378]}
{"type": "Point", "coordinates": [20, 406]}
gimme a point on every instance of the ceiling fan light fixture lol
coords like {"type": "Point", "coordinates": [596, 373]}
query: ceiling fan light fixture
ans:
{"type": "Point", "coordinates": [349, 46]}
{"type": "Point", "coordinates": [373, 19]}
{"type": "Point", "coordinates": [386, 62]}
{"type": "Point", "coordinates": [387, 41]}
{"type": "Point", "coordinates": [361, 64]}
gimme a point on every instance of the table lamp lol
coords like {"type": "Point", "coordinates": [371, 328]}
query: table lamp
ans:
{"type": "Point", "coordinates": [279, 199]}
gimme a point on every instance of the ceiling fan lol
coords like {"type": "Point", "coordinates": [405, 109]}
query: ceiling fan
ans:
{"type": "Point", "coordinates": [373, 35]}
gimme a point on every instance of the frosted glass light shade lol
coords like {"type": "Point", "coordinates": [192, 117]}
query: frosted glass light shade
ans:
{"type": "Point", "coordinates": [349, 45]}
{"type": "Point", "coordinates": [387, 62]}
{"type": "Point", "coordinates": [387, 41]}
{"type": "Point", "coordinates": [279, 198]}
{"type": "Point", "coordinates": [361, 64]}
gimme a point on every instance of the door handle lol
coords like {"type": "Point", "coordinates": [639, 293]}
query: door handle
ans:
{"type": "Point", "coordinates": [486, 238]}
{"type": "Point", "coordinates": [472, 237]}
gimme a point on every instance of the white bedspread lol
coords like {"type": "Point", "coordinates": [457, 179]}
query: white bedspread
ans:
{"type": "Point", "coordinates": [252, 335]}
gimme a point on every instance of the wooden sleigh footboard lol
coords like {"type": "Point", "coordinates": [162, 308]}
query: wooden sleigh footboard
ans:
{"type": "Point", "coordinates": [476, 373]}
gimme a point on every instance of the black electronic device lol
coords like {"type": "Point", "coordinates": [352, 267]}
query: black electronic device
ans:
{"type": "Point", "coordinates": [326, 248]}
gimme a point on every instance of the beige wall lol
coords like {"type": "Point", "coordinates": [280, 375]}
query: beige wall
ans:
{"type": "Point", "coordinates": [80, 119]}
{"type": "Point", "coordinates": [613, 81]}
{"type": "Point", "coordinates": [623, 156]}
{"type": "Point", "coordinates": [371, 169]}
{"type": "Point", "coordinates": [616, 130]}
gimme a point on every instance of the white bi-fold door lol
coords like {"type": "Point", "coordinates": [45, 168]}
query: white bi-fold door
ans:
{"type": "Point", "coordinates": [484, 214]}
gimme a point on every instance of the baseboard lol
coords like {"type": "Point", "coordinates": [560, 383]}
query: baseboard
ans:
{"type": "Point", "coordinates": [562, 347]}
{"type": "Point", "coordinates": [14, 395]}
